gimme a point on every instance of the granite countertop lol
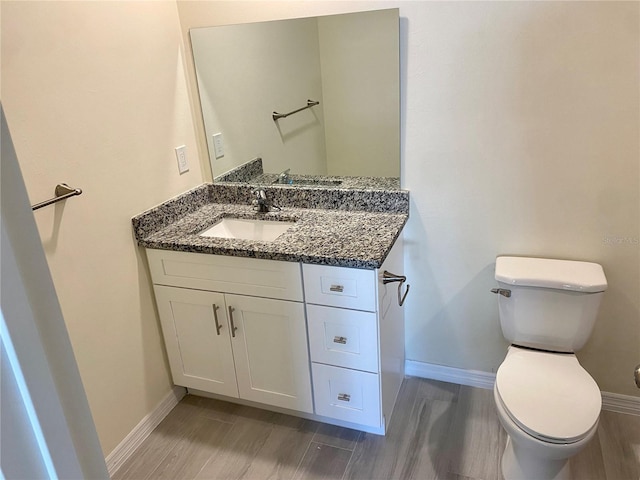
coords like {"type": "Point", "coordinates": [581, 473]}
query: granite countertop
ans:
{"type": "Point", "coordinates": [324, 181]}
{"type": "Point", "coordinates": [253, 173]}
{"type": "Point", "coordinates": [355, 239]}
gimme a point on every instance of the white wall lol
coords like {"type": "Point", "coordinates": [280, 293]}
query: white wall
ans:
{"type": "Point", "coordinates": [361, 95]}
{"type": "Point", "coordinates": [46, 425]}
{"type": "Point", "coordinates": [520, 135]}
{"type": "Point", "coordinates": [95, 96]}
{"type": "Point", "coordinates": [283, 59]}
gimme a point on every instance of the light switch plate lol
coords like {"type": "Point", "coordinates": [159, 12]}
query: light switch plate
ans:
{"type": "Point", "coordinates": [181, 155]}
{"type": "Point", "coordinates": [218, 145]}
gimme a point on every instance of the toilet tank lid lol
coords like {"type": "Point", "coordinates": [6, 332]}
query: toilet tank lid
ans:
{"type": "Point", "coordinates": [571, 275]}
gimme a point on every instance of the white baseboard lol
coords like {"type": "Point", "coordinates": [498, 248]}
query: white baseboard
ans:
{"type": "Point", "coordinates": [612, 402]}
{"type": "Point", "coordinates": [126, 447]}
{"type": "Point", "coordinates": [472, 378]}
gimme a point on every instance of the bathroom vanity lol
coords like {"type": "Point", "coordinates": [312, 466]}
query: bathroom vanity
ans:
{"type": "Point", "coordinates": [306, 323]}
{"type": "Point", "coordinates": [297, 309]}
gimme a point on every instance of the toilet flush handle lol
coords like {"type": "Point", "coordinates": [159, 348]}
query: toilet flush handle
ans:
{"type": "Point", "coordinates": [502, 291]}
{"type": "Point", "coordinates": [636, 375]}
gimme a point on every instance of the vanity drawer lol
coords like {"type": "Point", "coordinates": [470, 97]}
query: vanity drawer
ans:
{"type": "Point", "coordinates": [340, 287]}
{"type": "Point", "coordinates": [345, 338]}
{"type": "Point", "coordinates": [348, 395]}
{"type": "Point", "coordinates": [220, 273]}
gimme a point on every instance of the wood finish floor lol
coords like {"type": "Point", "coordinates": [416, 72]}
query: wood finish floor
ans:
{"type": "Point", "coordinates": [438, 431]}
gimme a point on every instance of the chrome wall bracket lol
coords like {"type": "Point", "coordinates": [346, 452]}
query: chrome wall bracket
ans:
{"type": "Point", "coordinates": [388, 277]}
{"type": "Point", "coordinates": [62, 192]}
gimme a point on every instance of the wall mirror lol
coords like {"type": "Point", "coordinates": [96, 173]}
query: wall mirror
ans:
{"type": "Point", "coordinates": [347, 63]}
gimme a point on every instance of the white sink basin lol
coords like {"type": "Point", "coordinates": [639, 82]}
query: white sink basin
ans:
{"type": "Point", "coordinates": [247, 229]}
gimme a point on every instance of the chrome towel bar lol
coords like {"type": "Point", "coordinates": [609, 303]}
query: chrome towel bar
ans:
{"type": "Point", "coordinates": [62, 192]}
{"type": "Point", "coordinates": [310, 103]}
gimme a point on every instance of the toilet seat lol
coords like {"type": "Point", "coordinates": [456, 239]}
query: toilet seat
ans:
{"type": "Point", "coordinates": [548, 395]}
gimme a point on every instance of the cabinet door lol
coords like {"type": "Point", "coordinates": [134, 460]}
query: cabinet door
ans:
{"type": "Point", "coordinates": [270, 351]}
{"type": "Point", "coordinates": [196, 334]}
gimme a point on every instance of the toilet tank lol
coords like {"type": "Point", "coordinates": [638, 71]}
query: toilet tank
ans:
{"type": "Point", "coordinates": [552, 305]}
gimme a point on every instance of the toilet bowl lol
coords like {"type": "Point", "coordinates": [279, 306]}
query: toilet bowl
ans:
{"type": "Point", "coordinates": [549, 407]}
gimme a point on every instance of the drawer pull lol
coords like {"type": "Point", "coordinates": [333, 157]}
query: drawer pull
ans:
{"type": "Point", "coordinates": [215, 318]}
{"type": "Point", "coordinates": [342, 340]}
{"type": "Point", "coordinates": [344, 397]}
{"type": "Point", "coordinates": [337, 288]}
{"type": "Point", "coordinates": [233, 327]}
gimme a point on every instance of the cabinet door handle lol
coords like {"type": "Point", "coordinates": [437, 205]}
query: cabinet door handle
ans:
{"type": "Point", "coordinates": [233, 327]}
{"type": "Point", "coordinates": [215, 318]}
{"type": "Point", "coordinates": [342, 340]}
{"type": "Point", "coordinates": [344, 397]}
{"type": "Point", "coordinates": [337, 288]}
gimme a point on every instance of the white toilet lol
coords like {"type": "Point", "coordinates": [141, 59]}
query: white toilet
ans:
{"type": "Point", "coordinates": [547, 403]}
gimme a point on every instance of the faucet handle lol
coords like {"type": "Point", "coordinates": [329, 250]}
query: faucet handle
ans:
{"type": "Point", "coordinates": [259, 194]}
{"type": "Point", "coordinates": [260, 203]}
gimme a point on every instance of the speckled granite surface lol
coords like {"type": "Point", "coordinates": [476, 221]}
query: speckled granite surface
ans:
{"type": "Point", "coordinates": [327, 237]}
{"type": "Point", "coordinates": [252, 173]}
{"type": "Point", "coordinates": [170, 211]}
{"type": "Point", "coordinates": [243, 173]}
{"type": "Point", "coordinates": [340, 236]}
{"type": "Point", "coordinates": [357, 183]}
{"type": "Point", "coordinates": [393, 201]}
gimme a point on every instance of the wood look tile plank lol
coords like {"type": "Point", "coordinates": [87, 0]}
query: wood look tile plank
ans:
{"type": "Point", "coordinates": [283, 450]}
{"type": "Point", "coordinates": [190, 454]}
{"type": "Point", "coordinates": [427, 446]}
{"type": "Point", "coordinates": [242, 443]}
{"type": "Point", "coordinates": [376, 456]}
{"type": "Point", "coordinates": [323, 462]}
{"type": "Point", "coordinates": [435, 390]}
{"type": "Point", "coordinates": [337, 436]}
{"type": "Point", "coordinates": [181, 422]}
{"type": "Point", "coordinates": [451, 476]}
{"type": "Point", "coordinates": [213, 408]}
{"type": "Point", "coordinates": [477, 436]}
{"type": "Point", "coordinates": [588, 464]}
{"type": "Point", "coordinates": [619, 436]}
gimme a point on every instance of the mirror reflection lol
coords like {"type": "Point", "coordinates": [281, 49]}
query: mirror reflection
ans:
{"type": "Point", "coordinates": [338, 74]}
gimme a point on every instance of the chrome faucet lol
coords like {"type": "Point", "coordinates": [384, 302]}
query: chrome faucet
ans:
{"type": "Point", "coordinates": [260, 202]}
{"type": "Point", "coordinates": [283, 178]}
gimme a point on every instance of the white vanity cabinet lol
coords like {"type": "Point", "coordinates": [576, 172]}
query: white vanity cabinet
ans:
{"type": "Point", "coordinates": [234, 326]}
{"type": "Point", "coordinates": [356, 340]}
